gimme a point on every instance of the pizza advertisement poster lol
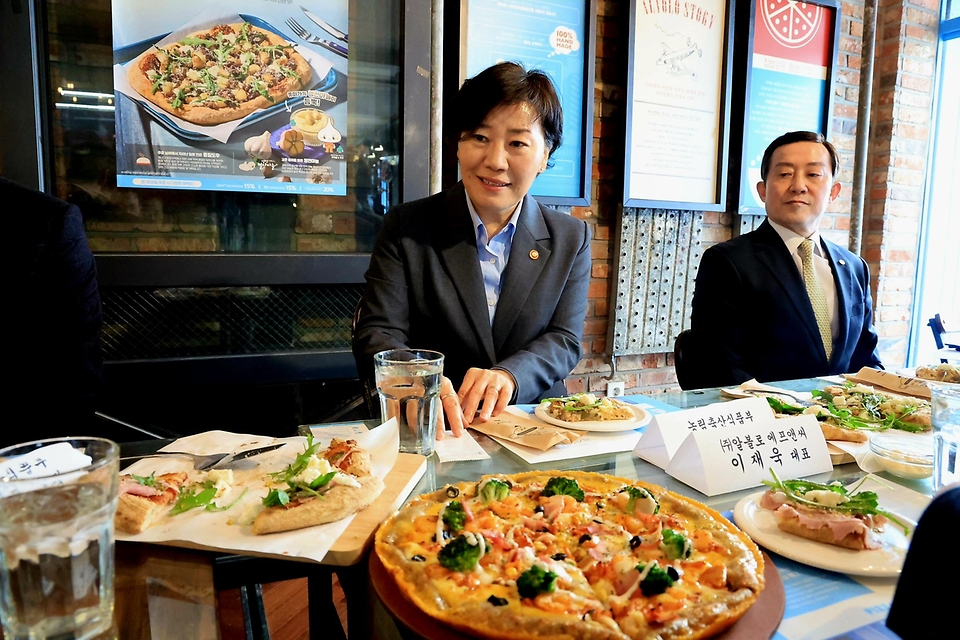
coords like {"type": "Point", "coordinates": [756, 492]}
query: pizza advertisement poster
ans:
{"type": "Point", "coordinates": [232, 529]}
{"type": "Point", "coordinates": [249, 95]}
{"type": "Point", "coordinates": [790, 69]}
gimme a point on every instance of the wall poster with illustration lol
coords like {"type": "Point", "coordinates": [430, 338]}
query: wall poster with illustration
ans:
{"type": "Point", "coordinates": [790, 70]}
{"type": "Point", "coordinates": [678, 104]}
{"type": "Point", "coordinates": [558, 38]}
{"type": "Point", "coordinates": [245, 96]}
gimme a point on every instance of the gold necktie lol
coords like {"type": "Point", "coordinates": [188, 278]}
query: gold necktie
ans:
{"type": "Point", "coordinates": [817, 298]}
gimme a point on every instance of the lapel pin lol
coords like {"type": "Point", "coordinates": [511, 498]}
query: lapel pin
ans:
{"type": "Point", "coordinates": [534, 254]}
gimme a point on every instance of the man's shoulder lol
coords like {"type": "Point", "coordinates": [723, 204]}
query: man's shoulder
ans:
{"type": "Point", "coordinates": [30, 198]}
{"type": "Point", "coordinates": [745, 243]}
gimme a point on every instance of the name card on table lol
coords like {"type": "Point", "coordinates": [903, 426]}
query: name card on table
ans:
{"type": "Point", "coordinates": [666, 432]}
{"type": "Point", "coordinates": [44, 467]}
{"type": "Point", "coordinates": [718, 461]}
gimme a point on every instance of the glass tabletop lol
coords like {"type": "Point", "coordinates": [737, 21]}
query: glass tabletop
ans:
{"type": "Point", "coordinates": [628, 465]}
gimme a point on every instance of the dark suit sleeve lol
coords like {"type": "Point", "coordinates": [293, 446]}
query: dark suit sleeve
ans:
{"type": "Point", "coordinates": [717, 321]}
{"type": "Point", "coordinates": [551, 356]}
{"type": "Point", "coordinates": [75, 274]}
{"type": "Point", "coordinates": [865, 354]}
{"type": "Point", "coordinates": [384, 321]}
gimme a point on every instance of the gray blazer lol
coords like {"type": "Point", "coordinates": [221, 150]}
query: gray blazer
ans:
{"type": "Point", "coordinates": [752, 317]}
{"type": "Point", "coordinates": [425, 290]}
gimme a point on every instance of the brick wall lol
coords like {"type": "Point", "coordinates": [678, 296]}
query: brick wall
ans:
{"type": "Point", "coordinates": [902, 97]}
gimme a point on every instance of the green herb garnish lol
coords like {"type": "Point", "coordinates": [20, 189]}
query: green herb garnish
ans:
{"type": "Point", "coordinates": [147, 481]}
{"type": "Point", "coordinates": [863, 503]}
{"type": "Point", "coordinates": [199, 495]}
{"type": "Point", "coordinates": [296, 488]}
{"type": "Point", "coordinates": [780, 406]}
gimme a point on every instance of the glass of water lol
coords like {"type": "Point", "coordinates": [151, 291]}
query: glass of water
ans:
{"type": "Point", "coordinates": [57, 502]}
{"type": "Point", "coordinates": [408, 382]}
{"type": "Point", "coordinates": [945, 409]}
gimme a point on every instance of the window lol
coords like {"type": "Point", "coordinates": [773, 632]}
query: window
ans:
{"type": "Point", "coordinates": [939, 277]}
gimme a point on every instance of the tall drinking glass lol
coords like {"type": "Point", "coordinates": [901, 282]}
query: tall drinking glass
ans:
{"type": "Point", "coordinates": [945, 407]}
{"type": "Point", "coordinates": [56, 537]}
{"type": "Point", "coordinates": [408, 382]}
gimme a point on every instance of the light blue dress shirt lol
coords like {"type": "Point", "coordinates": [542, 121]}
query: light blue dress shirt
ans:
{"type": "Point", "coordinates": [493, 253]}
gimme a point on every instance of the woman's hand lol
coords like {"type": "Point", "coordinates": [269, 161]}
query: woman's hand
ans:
{"type": "Point", "coordinates": [449, 410]}
{"type": "Point", "coordinates": [488, 390]}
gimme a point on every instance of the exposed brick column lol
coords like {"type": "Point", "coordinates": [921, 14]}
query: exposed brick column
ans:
{"type": "Point", "coordinates": [899, 148]}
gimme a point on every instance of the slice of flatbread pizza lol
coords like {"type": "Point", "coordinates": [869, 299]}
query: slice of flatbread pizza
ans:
{"type": "Point", "coordinates": [312, 490]}
{"type": "Point", "coordinates": [143, 499]}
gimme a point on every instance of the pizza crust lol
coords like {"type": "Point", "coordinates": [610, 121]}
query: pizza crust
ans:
{"type": "Point", "coordinates": [205, 116]}
{"type": "Point", "coordinates": [336, 504]}
{"type": "Point", "coordinates": [831, 432]}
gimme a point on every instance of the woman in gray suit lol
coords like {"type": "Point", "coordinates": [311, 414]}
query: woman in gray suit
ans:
{"type": "Point", "coordinates": [482, 272]}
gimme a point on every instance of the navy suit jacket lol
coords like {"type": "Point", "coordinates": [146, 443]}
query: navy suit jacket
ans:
{"type": "Point", "coordinates": [752, 317]}
{"type": "Point", "coordinates": [53, 330]}
{"type": "Point", "coordinates": [425, 290]}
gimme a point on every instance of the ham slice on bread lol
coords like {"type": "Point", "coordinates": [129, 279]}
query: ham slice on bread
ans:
{"type": "Point", "coordinates": [824, 525]}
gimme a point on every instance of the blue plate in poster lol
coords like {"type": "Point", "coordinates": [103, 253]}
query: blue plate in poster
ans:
{"type": "Point", "coordinates": [131, 51]}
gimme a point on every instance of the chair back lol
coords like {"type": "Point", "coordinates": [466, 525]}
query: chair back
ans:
{"type": "Point", "coordinates": [371, 400]}
{"type": "Point", "coordinates": [936, 325]}
{"type": "Point", "coordinates": [689, 370]}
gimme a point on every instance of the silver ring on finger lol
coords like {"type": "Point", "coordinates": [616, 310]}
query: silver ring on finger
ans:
{"type": "Point", "coordinates": [496, 390]}
{"type": "Point", "coordinates": [447, 395]}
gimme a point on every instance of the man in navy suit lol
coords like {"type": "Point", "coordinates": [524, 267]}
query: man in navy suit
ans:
{"type": "Point", "coordinates": [482, 272]}
{"type": "Point", "coordinates": [756, 313]}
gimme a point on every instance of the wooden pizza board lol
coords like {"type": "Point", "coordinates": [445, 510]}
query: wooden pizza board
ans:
{"type": "Point", "coordinates": [838, 456]}
{"type": "Point", "coordinates": [351, 545]}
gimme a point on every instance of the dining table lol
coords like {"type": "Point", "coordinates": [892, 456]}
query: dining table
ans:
{"type": "Point", "coordinates": [168, 592]}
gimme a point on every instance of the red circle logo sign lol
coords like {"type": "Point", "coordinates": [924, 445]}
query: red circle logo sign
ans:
{"type": "Point", "coordinates": [791, 23]}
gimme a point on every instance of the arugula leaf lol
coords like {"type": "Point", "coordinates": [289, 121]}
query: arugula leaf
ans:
{"type": "Point", "coordinates": [198, 42]}
{"type": "Point", "coordinates": [297, 467]}
{"type": "Point", "coordinates": [276, 498]}
{"type": "Point", "coordinates": [780, 406]}
{"type": "Point", "coordinates": [199, 495]}
{"type": "Point", "coordinates": [323, 480]}
{"type": "Point", "coordinates": [147, 481]}
{"type": "Point", "coordinates": [861, 503]}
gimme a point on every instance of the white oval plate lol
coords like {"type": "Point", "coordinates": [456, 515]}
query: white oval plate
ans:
{"type": "Point", "coordinates": [642, 418]}
{"type": "Point", "coordinates": [761, 525]}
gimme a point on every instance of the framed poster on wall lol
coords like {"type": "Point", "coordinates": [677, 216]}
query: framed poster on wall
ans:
{"type": "Point", "coordinates": [790, 68]}
{"type": "Point", "coordinates": [557, 37]}
{"type": "Point", "coordinates": [237, 97]}
{"type": "Point", "coordinates": [678, 103]}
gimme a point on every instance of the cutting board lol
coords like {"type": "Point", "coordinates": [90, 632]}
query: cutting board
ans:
{"type": "Point", "coordinates": [351, 545]}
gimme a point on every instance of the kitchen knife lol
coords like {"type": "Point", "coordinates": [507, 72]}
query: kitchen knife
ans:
{"type": "Point", "coordinates": [336, 33]}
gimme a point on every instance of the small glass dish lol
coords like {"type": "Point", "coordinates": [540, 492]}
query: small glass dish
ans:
{"type": "Point", "coordinates": [904, 457]}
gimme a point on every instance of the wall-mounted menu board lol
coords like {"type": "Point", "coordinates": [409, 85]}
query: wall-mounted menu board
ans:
{"type": "Point", "coordinates": [789, 79]}
{"type": "Point", "coordinates": [558, 38]}
{"type": "Point", "coordinates": [678, 99]}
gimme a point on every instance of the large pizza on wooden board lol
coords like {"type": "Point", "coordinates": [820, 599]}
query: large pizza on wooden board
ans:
{"type": "Point", "coordinates": [549, 554]}
{"type": "Point", "coordinates": [219, 74]}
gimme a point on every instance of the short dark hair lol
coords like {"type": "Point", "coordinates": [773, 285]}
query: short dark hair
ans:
{"type": "Point", "coordinates": [505, 84]}
{"type": "Point", "coordinates": [798, 136]}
